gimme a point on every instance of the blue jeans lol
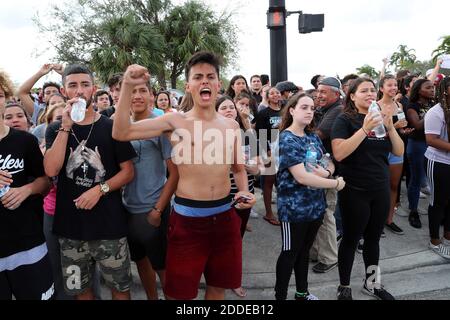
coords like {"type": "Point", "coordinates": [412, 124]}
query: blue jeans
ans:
{"type": "Point", "coordinates": [415, 152]}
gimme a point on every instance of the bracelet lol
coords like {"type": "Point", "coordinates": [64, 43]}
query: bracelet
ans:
{"type": "Point", "coordinates": [337, 185]}
{"type": "Point", "coordinates": [329, 174]}
{"type": "Point", "coordinates": [156, 209]}
{"type": "Point", "coordinates": [64, 130]}
{"type": "Point", "coordinates": [364, 131]}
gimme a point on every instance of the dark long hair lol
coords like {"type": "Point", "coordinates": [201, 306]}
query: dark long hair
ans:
{"type": "Point", "coordinates": [405, 83]}
{"type": "Point", "coordinates": [349, 106]}
{"type": "Point", "coordinates": [415, 91]}
{"type": "Point", "coordinates": [230, 91]}
{"type": "Point", "coordinates": [442, 97]}
{"type": "Point", "coordinates": [287, 118]}
{"type": "Point", "coordinates": [382, 82]}
{"type": "Point", "coordinates": [20, 106]}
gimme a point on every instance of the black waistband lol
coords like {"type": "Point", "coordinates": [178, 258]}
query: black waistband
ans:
{"type": "Point", "coordinates": [202, 204]}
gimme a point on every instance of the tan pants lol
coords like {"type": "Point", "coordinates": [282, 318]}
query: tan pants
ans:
{"type": "Point", "coordinates": [324, 248]}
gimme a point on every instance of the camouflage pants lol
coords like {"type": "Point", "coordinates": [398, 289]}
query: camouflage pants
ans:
{"type": "Point", "coordinates": [78, 260]}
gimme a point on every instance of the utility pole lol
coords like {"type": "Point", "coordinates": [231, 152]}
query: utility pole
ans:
{"type": "Point", "coordinates": [276, 22]}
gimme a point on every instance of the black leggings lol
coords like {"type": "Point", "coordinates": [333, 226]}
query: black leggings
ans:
{"type": "Point", "coordinates": [439, 209]}
{"type": "Point", "coordinates": [28, 282]}
{"type": "Point", "coordinates": [297, 241]}
{"type": "Point", "coordinates": [364, 214]}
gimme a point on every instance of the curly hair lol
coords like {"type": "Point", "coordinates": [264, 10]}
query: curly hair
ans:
{"type": "Point", "coordinates": [6, 85]}
{"type": "Point", "coordinates": [442, 97]}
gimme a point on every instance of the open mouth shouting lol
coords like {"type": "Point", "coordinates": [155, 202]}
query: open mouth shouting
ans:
{"type": "Point", "coordinates": [205, 94]}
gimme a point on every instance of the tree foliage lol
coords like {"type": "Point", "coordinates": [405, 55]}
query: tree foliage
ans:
{"type": "Point", "coordinates": [109, 35]}
{"type": "Point", "coordinates": [443, 48]}
{"type": "Point", "coordinates": [403, 57]}
{"type": "Point", "coordinates": [369, 71]}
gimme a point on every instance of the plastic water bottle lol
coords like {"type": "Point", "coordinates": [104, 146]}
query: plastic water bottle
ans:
{"type": "Point", "coordinates": [3, 191]}
{"type": "Point", "coordinates": [311, 157]}
{"type": "Point", "coordinates": [78, 110]}
{"type": "Point", "coordinates": [380, 131]}
{"type": "Point", "coordinates": [400, 114]}
{"type": "Point", "coordinates": [326, 158]}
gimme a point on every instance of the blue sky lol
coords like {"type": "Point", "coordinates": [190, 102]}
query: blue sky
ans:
{"type": "Point", "coordinates": [356, 32]}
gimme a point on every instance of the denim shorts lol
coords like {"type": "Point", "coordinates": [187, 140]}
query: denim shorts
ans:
{"type": "Point", "coordinates": [394, 159]}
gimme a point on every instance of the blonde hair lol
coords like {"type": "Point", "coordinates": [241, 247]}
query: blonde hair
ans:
{"type": "Point", "coordinates": [6, 85]}
{"type": "Point", "coordinates": [187, 103]}
{"type": "Point", "coordinates": [51, 111]}
{"type": "Point", "coordinates": [43, 116]}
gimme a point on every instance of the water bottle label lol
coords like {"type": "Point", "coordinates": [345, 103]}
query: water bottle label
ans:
{"type": "Point", "coordinates": [3, 191]}
{"type": "Point", "coordinates": [78, 110]}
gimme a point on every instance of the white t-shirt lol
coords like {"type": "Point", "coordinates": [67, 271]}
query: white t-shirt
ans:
{"type": "Point", "coordinates": [435, 124]}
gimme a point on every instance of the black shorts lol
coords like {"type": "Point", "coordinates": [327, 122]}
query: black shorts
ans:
{"type": "Point", "coordinates": [28, 282]}
{"type": "Point", "coordinates": [146, 240]}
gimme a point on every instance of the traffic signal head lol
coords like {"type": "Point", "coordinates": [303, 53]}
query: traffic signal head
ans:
{"type": "Point", "coordinates": [311, 23]}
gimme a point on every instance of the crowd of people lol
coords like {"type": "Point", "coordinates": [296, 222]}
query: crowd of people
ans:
{"type": "Point", "coordinates": [170, 185]}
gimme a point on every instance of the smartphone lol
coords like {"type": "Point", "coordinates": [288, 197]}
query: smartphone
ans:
{"type": "Point", "coordinates": [240, 199]}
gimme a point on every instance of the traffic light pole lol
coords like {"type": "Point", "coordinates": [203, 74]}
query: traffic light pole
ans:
{"type": "Point", "coordinates": [276, 22]}
{"type": "Point", "coordinates": [278, 47]}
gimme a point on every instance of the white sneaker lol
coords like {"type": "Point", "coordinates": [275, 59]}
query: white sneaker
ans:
{"type": "Point", "coordinates": [422, 195]}
{"type": "Point", "coordinates": [441, 249]}
{"type": "Point", "coordinates": [254, 214]}
{"type": "Point", "coordinates": [401, 212]}
{"type": "Point", "coordinates": [311, 297]}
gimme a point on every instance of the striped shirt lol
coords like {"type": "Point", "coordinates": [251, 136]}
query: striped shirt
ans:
{"type": "Point", "coordinates": [251, 182]}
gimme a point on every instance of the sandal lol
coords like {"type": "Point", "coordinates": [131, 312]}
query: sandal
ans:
{"type": "Point", "coordinates": [272, 221]}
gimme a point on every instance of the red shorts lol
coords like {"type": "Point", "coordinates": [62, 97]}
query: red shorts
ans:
{"type": "Point", "coordinates": [210, 245]}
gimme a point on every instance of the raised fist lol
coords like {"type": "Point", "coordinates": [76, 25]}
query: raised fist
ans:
{"type": "Point", "coordinates": [136, 75]}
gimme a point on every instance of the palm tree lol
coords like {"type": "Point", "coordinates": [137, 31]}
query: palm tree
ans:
{"type": "Point", "coordinates": [368, 70]}
{"type": "Point", "coordinates": [403, 57]}
{"type": "Point", "coordinates": [192, 27]}
{"type": "Point", "coordinates": [444, 48]}
{"type": "Point", "coordinates": [128, 41]}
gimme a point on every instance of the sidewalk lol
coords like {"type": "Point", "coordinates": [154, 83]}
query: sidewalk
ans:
{"type": "Point", "coordinates": [409, 269]}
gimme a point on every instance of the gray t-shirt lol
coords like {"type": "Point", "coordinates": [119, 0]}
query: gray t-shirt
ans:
{"type": "Point", "coordinates": [38, 108]}
{"type": "Point", "coordinates": [141, 194]}
{"type": "Point", "coordinates": [327, 122]}
{"type": "Point", "coordinates": [39, 132]}
{"type": "Point", "coordinates": [435, 124]}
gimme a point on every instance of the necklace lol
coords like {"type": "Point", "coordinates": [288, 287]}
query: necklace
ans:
{"type": "Point", "coordinates": [89, 135]}
{"type": "Point", "coordinates": [85, 165]}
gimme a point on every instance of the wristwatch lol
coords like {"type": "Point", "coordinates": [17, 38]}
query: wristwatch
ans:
{"type": "Point", "coordinates": [104, 188]}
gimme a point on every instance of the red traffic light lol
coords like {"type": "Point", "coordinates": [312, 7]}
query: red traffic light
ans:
{"type": "Point", "coordinates": [276, 19]}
